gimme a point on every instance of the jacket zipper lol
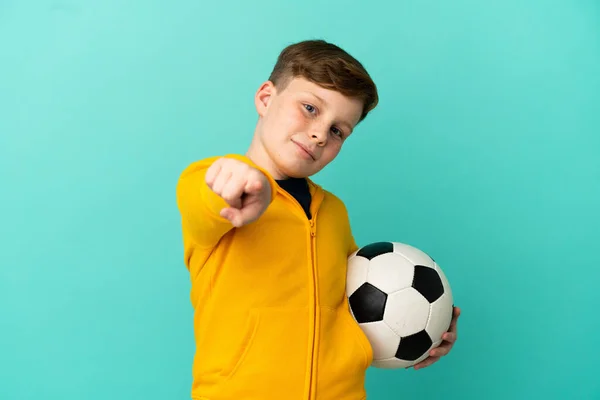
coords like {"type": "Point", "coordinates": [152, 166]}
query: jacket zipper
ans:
{"type": "Point", "coordinates": [313, 357]}
{"type": "Point", "coordinates": [312, 234]}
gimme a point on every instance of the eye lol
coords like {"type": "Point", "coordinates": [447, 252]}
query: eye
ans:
{"type": "Point", "coordinates": [336, 131]}
{"type": "Point", "coordinates": [309, 108]}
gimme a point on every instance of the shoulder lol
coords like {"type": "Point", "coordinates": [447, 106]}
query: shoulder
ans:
{"type": "Point", "coordinates": [333, 201]}
{"type": "Point", "coordinates": [338, 219]}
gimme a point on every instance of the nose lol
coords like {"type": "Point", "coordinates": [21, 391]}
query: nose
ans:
{"type": "Point", "coordinates": [319, 135]}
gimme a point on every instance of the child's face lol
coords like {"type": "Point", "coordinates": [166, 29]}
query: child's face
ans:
{"type": "Point", "coordinates": [302, 128]}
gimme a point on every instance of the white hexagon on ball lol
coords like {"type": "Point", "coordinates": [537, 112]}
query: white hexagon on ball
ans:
{"type": "Point", "coordinates": [406, 312]}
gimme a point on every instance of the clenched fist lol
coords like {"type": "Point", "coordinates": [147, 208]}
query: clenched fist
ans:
{"type": "Point", "coordinates": [245, 189]}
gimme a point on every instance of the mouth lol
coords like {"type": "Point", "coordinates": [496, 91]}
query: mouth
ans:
{"type": "Point", "coordinates": [305, 150]}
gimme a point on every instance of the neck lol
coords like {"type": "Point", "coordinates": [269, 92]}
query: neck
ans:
{"type": "Point", "coordinates": [259, 156]}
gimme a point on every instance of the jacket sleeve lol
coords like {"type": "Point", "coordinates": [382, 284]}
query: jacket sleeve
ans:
{"type": "Point", "coordinates": [199, 206]}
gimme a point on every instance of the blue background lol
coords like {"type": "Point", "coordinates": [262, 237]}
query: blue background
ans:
{"type": "Point", "coordinates": [484, 152]}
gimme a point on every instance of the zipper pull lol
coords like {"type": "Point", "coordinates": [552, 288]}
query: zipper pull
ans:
{"type": "Point", "coordinates": [313, 232]}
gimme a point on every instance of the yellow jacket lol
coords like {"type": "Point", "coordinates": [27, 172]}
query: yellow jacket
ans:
{"type": "Point", "coordinates": [271, 317]}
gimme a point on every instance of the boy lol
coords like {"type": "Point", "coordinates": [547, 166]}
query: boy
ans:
{"type": "Point", "coordinates": [267, 248]}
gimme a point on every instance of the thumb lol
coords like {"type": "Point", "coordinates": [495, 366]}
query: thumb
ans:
{"type": "Point", "coordinates": [233, 215]}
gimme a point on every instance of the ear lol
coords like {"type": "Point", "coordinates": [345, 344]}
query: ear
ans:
{"type": "Point", "coordinates": [263, 97]}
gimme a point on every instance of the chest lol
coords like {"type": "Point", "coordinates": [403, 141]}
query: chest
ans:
{"type": "Point", "coordinates": [295, 254]}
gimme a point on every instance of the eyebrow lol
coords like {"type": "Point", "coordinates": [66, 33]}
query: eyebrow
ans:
{"type": "Point", "coordinates": [317, 96]}
{"type": "Point", "coordinates": [346, 124]}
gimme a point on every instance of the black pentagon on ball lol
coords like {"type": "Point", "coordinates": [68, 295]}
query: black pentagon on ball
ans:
{"type": "Point", "coordinates": [368, 303]}
{"type": "Point", "coordinates": [414, 346]}
{"type": "Point", "coordinates": [375, 249]}
{"type": "Point", "coordinates": [427, 281]}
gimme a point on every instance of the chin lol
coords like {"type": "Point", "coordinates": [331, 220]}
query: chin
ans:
{"type": "Point", "coordinates": [296, 174]}
{"type": "Point", "coordinates": [295, 171]}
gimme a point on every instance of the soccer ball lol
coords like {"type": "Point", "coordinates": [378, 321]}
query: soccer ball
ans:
{"type": "Point", "coordinates": [401, 300]}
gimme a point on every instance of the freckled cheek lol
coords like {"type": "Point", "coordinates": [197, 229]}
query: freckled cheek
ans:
{"type": "Point", "coordinates": [289, 121]}
{"type": "Point", "coordinates": [295, 119]}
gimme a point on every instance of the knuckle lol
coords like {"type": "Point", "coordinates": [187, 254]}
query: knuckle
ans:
{"type": "Point", "coordinates": [228, 199]}
{"type": "Point", "coordinates": [236, 163]}
{"type": "Point", "coordinates": [225, 194]}
{"type": "Point", "coordinates": [249, 175]}
{"type": "Point", "coordinates": [238, 167]}
{"type": "Point", "coordinates": [227, 162]}
{"type": "Point", "coordinates": [252, 172]}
